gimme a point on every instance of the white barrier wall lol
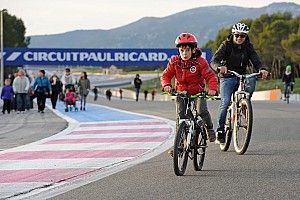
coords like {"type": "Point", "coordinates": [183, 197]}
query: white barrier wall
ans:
{"type": "Point", "coordinates": [269, 95]}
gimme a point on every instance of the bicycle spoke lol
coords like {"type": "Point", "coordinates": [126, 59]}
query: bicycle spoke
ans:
{"type": "Point", "coordinates": [242, 133]}
{"type": "Point", "coordinates": [180, 154]}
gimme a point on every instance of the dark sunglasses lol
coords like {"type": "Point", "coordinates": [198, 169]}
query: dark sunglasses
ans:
{"type": "Point", "coordinates": [240, 35]}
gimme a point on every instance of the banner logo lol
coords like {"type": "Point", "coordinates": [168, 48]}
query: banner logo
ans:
{"type": "Point", "coordinates": [91, 57]}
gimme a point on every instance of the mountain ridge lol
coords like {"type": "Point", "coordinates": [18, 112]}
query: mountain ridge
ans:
{"type": "Point", "coordinates": [160, 32]}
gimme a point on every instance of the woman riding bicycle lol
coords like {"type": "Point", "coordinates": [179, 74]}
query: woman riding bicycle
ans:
{"type": "Point", "coordinates": [236, 52]}
{"type": "Point", "coordinates": [288, 79]}
{"type": "Point", "coordinates": [191, 73]}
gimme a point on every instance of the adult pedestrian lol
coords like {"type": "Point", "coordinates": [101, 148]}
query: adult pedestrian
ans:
{"type": "Point", "coordinates": [29, 103]}
{"type": "Point", "coordinates": [95, 90]}
{"type": "Point", "coordinates": [145, 94]}
{"type": "Point", "coordinates": [137, 84]}
{"type": "Point", "coordinates": [68, 80]}
{"type": "Point", "coordinates": [42, 89]}
{"type": "Point", "coordinates": [108, 94]}
{"type": "Point", "coordinates": [56, 86]}
{"type": "Point", "coordinates": [121, 93]}
{"type": "Point", "coordinates": [20, 87]}
{"type": "Point", "coordinates": [153, 94]}
{"type": "Point", "coordinates": [84, 88]}
{"type": "Point", "coordinates": [235, 52]}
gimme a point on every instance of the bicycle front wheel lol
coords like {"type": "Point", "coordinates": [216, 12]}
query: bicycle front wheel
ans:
{"type": "Point", "coordinates": [180, 157]}
{"type": "Point", "coordinates": [288, 95]}
{"type": "Point", "coordinates": [199, 149]}
{"type": "Point", "coordinates": [243, 126]}
{"type": "Point", "coordinates": [228, 131]}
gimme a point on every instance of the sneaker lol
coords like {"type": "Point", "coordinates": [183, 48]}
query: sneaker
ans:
{"type": "Point", "coordinates": [171, 152]}
{"type": "Point", "coordinates": [18, 112]}
{"type": "Point", "coordinates": [211, 135]}
{"type": "Point", "coordinates": [220, 137]}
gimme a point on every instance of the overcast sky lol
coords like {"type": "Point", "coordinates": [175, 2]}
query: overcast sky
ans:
{"type": "Point", "coordinates": [58, 16]}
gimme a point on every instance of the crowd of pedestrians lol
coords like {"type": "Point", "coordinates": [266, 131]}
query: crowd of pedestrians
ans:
{"type": "Point", "coordinates": [20, 89]}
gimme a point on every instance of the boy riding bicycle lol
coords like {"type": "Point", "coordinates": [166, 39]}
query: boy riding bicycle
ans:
{"type": "Point", "coordinates": [192, 73]}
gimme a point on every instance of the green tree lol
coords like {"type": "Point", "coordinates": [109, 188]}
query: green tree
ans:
{"type": "Point", "coordinates": [270, 45]}
{"type": "Point", "coordinates": [221, 36]}
{"type": "Point", "coordinates": [292, 48]}
{"type": "Point", "coordinates": [14, 31]}
{"type": "Point", "coordinates": [13, 36]}
{"type": "Point", "coordinates": [275, 37]}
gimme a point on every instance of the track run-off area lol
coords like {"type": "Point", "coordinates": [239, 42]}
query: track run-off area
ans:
{"type": "Point", "coordinates": [97, 142]}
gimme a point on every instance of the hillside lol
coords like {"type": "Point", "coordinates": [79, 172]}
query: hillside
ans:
{"type": "Point", "coordinates": [154, 32]}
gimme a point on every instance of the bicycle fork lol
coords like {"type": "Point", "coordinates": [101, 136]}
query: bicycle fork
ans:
{"type": "Point", "coordinates": [190, 133]}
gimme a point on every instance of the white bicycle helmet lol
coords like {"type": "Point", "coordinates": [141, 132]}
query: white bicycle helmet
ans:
{"type": "Point", "coordinates": [241, 28]}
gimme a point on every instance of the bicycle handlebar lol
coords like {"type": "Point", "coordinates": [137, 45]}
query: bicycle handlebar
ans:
{"type": "Point", "coordinates": [246, 75]}
{"type": "Point", "coordinates": [198, 95]}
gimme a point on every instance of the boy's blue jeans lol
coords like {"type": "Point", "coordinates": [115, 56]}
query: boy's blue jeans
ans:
{"type": "Point", "coordinates": [227, 87]}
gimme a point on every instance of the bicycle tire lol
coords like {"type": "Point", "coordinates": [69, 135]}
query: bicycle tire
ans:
{"type": "Point", "coordinates": [180, 153]}
{"type": "Point", "coordinates": [288, 95]}
{"type": "Point", "coordinates": [199, 149]}
{"type": "Point", "coordinates": [228, 132]}
{"type": "Point", "coordinates": [245, 111]}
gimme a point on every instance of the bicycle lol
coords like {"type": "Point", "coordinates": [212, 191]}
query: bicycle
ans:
{"type": "Point", "coordinates": [190, 140]}
{"type": "Point", "coordinates": [239, 118]}
{"type": "Point", "coordinates": [288, 92]}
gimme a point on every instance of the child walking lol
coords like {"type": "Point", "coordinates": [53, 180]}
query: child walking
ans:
{"type": "Point", "coordinates": [7, 95]}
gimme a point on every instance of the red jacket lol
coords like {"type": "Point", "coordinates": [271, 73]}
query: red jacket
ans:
{"type": "Point", "coordinates": [190, 75]}
{"type": "Point", "coordinates": [70, 96]}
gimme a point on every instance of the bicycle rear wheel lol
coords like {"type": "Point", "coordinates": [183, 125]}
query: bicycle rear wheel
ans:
{"type": "Point", "coordinates": [199, 149]}
{"type": "Point", "coordinates": [228, 131]}
{"type": "Point", "coordinates": [243, 126]}
{"type": "Point", "coordinates": [180, 157]}
{"type": "Point", "coordinates": [288, 95]}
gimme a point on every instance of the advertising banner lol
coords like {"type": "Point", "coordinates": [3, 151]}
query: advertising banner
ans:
{"type": "Point", "coordinates": [91, 57]}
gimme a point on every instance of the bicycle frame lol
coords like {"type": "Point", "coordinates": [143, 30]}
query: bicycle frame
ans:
{"type": "Point", "coordinates": [190, 108]}
{"type": "Point", "coordinates": [287, 91]}
{"type": "Point", "coordinates": [241, 90]}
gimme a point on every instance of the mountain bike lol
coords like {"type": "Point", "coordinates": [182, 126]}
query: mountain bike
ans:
{"type": "Point", "coordinates": [191, 139]}
{"type": "Point", "coordinates": [288, 93]}
{"type": "Point", "coordinates": [239, 118]}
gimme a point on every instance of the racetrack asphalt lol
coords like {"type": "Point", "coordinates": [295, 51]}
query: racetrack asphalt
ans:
{"type": "Point", "coordinates": [269, 170]}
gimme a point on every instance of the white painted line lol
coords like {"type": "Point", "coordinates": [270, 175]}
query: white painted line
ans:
{"type": "Point", "coordinates": [100, 146]}
{"type": "Point", "coordinates": [60, 163]}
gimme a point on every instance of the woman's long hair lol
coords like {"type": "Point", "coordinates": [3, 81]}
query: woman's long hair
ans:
{"type": "Point", "coordinates": [84, 75]}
